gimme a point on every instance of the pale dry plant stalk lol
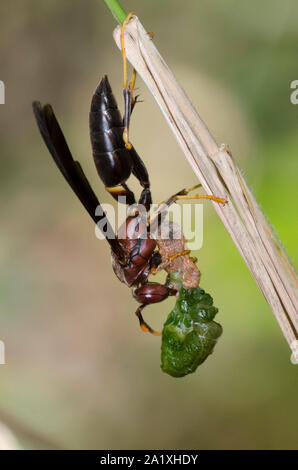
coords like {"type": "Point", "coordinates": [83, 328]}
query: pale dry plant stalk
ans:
{"type": "Point", "coordinates": [220, 176]}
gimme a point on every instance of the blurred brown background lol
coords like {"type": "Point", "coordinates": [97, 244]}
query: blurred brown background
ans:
{"type": "Point", "coordinates": [79, 371]}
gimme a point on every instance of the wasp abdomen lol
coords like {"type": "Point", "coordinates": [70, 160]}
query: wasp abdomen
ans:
{"type": "Point", "coordinates": [113, 161]}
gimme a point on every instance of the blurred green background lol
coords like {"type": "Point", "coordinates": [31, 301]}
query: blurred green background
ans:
{"type": "Point", "coordinates": [80, 373]}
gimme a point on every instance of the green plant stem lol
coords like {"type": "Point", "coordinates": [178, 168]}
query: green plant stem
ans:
{"type": "Point", "coordinates": [116, 9]}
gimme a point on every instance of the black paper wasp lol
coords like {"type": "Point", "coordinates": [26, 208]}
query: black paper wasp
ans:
{"type": "Point", "coordinates": [134, 251]}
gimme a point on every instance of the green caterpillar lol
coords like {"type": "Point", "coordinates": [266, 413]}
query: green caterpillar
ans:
{"type": "Point", "coordinates": [189, 333]}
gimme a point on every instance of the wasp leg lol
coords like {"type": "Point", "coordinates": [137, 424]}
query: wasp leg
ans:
{"type": "Point", "coordinates": [184, 194]}
{"type": "Point", "coordinates": [139, 170]}
{"type": "Point", "coordinates": [168, 261]}
{"type": "Point", "coordinates": [129, 101]}
{"type": "Point", "coordinates": [134, 99]}
{"type": "Point", "coordinates": [144, 326]}
{"type": "Point", "coordinates": [118, 192]}
{"type": "Point", "coordinates": [163, 206]}
{"type": "Point", "coordinates": [220, 200]}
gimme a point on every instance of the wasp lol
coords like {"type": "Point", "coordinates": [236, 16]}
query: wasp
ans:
{"type": "Point", "coordinates": [134, 252]}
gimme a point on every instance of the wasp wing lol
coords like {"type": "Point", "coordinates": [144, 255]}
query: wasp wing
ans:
{"type": "Point", "coordinates": [71, 169]}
